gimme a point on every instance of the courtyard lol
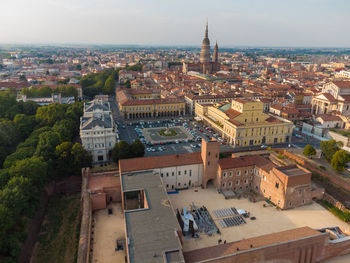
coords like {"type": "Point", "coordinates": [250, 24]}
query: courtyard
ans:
{"type": "Point", "coordinates": [107, 229]}
{"type": "Point", "coordinates": [153, 135]}
{"type": "Point", "coordinates": [268, 219]}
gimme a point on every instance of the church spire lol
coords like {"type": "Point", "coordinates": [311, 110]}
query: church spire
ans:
{"type": "Point", "coordinates": [206, 29]}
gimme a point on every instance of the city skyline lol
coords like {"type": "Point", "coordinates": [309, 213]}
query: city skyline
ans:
{"type": "Point", "coordinates": [308, 23]}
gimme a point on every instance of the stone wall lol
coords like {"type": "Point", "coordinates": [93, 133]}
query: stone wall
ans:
{"type": "Point", "coordinates": [335, 202]}
{"type": "Point", "coordinates": [86, 218]}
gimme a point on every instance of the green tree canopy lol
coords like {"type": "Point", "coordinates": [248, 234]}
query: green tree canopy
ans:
{"type": "Point", "coordinates": [123, 150]}
{"type": "Point", "coordinates": [9, 138]}
{"type": "Point", "coordinates": [20, 154]}
{"type": "Point", "coordinates": [109, 85]}
{"type": "Point", "coordinates": [339, 160]}
{"type": "Point", "coordinates": [64, 129]}
{"type": "Point", "coordinates": [329, 148]}
{"type": "Point", "coordinates": [137, 149]}
{"type": "Point", "coordinates": [25, 124]}
{"type": "Point", "coordinates": [33, 168]}
{"type": "Point", "coordinates": [48, 115]}
{"type": "Point", "coordinates": [82, 158]}
{"type": "Point", "coordinates": [47, 145]}
{"type": "Point", "coordinates": [309, 150]}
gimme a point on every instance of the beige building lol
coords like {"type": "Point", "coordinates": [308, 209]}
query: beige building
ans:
{"type": "Point", "coordinates": [97, 130]}
{"type": "Point", "coordinates": [243, 123]}
{"type": "Point", "coordinates": [335, 97]}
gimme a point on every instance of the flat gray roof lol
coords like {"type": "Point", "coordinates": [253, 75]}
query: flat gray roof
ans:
{"type": "Point", "coordinates": [151, 231]}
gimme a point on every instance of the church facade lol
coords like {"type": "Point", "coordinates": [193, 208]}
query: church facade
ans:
{"type": "Point", "coordinates": [206, 65]}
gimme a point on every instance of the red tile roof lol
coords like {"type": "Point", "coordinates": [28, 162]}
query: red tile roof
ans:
{"type": "Point", "coordinates": [147, 163]}
{"type": "Point", "coordinates": [342, 84]}
{"type": "Point", "coordinates": [244, 161]}
{"type": "Point", "coordinates": [222, 250]}
{"type": "Point", "coordinates": [231, 113]}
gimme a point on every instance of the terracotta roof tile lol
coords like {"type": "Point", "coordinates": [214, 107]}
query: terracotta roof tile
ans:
{"type": "Point", "coordinates": [244, 245]}
{"type": "Point", "coordinates": [147, 163]}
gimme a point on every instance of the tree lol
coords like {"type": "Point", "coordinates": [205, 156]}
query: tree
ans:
{"type": "Point", "coordinates": [309, 150]}
{"type": "Point", "coordinates": [137, 149]}
{"type": "Point", "coordinates": [329, 148]}
{"type": "Point", "coordinates": [34, 168]}
{"type": "Point", "coordinates": [109, 85]}
{"type": "Point", "coordinates": [9, 139]}
{"type": "Point", "coordinates": [65, 159]}
{"type": "Point", "coordinates": [82, 158]}
{"type": "Point", "coordinates": [121, 150]}
{"type": "Point", "coordinates": [48, 115]}
{"type": "Point", "coordinates": [20, 154]}
{"type": "Point", "coordinates": [24, 124]}
{"type": "Point", "coordinates": [339, 160]}
{"type": "Point", "coordinates": [64, 129]}
{"type": "Point", "coordinates": [47, 145]}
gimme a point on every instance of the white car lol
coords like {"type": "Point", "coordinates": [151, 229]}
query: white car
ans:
{"type": "Point", "coordinates": [263, 146]}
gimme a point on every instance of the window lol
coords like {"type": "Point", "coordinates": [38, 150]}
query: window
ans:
{"type": "Point", "coordinates": [224, 175]}
{"type": "Point", "coordinates": [237, 182]}
{"type": "Point", "coordinates": [172, 173]}
{"type": "Point", "coordinates": [208, 163]}
{"type": "Point", "coordinates": [238, 173]}
{"type": "Point", "coordinates": [185, 172]}
{"type": "Point", "coordinates": [161, 175]}
{"type": "Point", "coordinates": [279, 202]}
{"type": "Point", "coordinates": [208, 153]}
{"type": "Point", "coordinates": [179, 172]}
{"type": "Point", "coordinates": [230, 174]}
{"type": "Point", "coordinates": [246, 171]}
{"type": "Point", "coordinates": [167, 174]}
{"type": "Point", "coordinates": [179, 184]}
{"type": "Point", "coordinates": [230, 184]}
{"type": "Point", "coordinates": [277, 185]}
{"type": "Point", "coordinates": [246, 181]}
{"type": "Point", "coordinates": [167, 186]}
{"type": "Point", "coordinates": [190, 172]}
{"type": "Point", "coordinates": [223, 185]}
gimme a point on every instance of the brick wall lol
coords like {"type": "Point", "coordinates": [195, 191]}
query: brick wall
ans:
{"type": "Point", "coordinates": [334, 179]}
{"type": "Point", "coordinates": [334, 202]}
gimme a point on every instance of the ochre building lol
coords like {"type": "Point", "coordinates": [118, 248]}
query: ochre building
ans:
{"type": "Point", "coordinates": [138, 104]}
{"type": "Point", "coordinates": [243, 123]}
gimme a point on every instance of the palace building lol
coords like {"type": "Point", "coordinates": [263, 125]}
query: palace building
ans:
{"type": "Point", "coordinates": [244, 123]}
{"type": "Point", "coordinates": [206, 65]}
{"type": "Point", "coordinates": [138, 104]}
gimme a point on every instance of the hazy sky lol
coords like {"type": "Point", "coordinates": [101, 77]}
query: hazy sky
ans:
{"type": "Point", "coordinates": [177, 22]}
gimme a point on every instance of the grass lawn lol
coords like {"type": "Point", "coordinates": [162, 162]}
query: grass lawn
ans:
{"type": "Point", "coordinates": [58, 239]}
{"type": "Point", "coordinates": [170, 132]}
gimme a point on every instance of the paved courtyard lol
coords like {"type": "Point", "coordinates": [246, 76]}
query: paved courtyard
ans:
{"type": "Point", "coordinates": [108, 229]}
{"type": "Point", "coordinates": [152, 134]}
{"type": "Point", "coordinates": [268, 219]}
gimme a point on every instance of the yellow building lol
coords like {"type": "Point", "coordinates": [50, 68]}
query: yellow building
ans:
{"type": "Point", "coordinates": [144, 104]}
{"type": "Point", "coordinates": [243, 123]}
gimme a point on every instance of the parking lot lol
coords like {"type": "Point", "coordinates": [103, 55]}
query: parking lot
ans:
{"type": "Point", "coordinates": [130, 131]}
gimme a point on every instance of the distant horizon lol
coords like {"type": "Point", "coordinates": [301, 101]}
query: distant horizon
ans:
{"type": "Point", "coordinates": [67, 44]}
{"type": "Point", "coordinates": [242, 23]}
